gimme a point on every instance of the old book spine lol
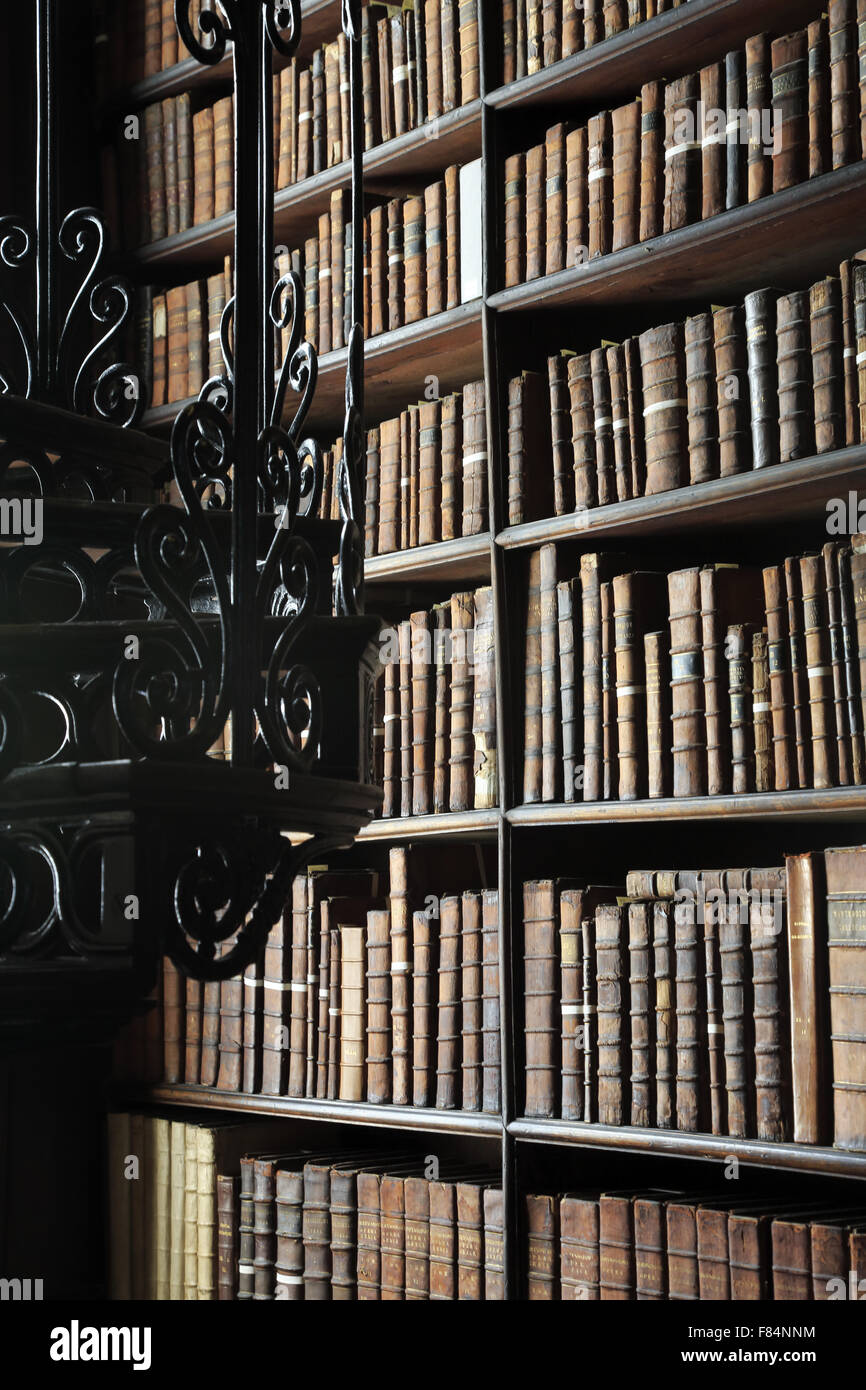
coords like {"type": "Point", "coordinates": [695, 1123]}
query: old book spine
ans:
{"type": "Point", "coordinates": [443, 1223]}
{"type": "Point", "coordinates": [406, 723]}
{"type": "Point", "coordinates": [554, 198]}
{"type": "Point", "coordinates": [540, 993]}
{"type": "Point", "coordinates": [421, 715]}
{"type": "Point", "coordinates": [796, 428]}
{"type": "Point", "coordinates": [452, 451]}
{"type": "Point", "coordinates": [417, 1239]}
{"type": "Point", "coordinates": [799, 676]}
{"type": "Point", "coordinates": [344, 1235]}
{"type": "Point", "coordinates": [484, 702]}
{"type": "Point", "coordinates": [616, 1256]}
{"type": "Point", "coordinates": [590, 1018]}
{"type": "Point", "coordinates": [452, 237]}
{"type": "Point", "coordinates": [178, 346]}
{"type": "Point", "coordinates": [535, 212]}
{"type": "Point", "coordinates": [590, 582]}
{"type": "Point", "coordinates": [353, 1015]}
{"type": "Point", "coordinates": [650, 1249]}
{"type": "Point", "coordinates": [560, 432]}
{"type": "Point", "coordinates": [371, 493]}
{"type": "Point", "coordinates": [460, 760]}
{"type": "Point", "coordinates": [316, 1232]}
{"type": "Point", "coordinates": [303, 161]}
{"type": "Point", "coordinates": [494, 1245]}
{"type": "Point", "coordinates": [398, 77]}
{"type": "Point", "coordinates": [378, 1007]}
{"type": "Point", "coordinates": [491, 1056]}
{"type": "Point", "coordinates": [819, 672]}
{"type": "Point", "coordinates": [578, 1246]}
{"type": "Point", "coordinates": [682, 1246]}
{"type": "Point", "coordinates": [732, 392]}
{"type": "Point", "coordinates": [651, 160]}
{"type": "Point", "coordinates": [593, 22]}
{"type": "Point", "coordinates": [413, 258]}
{"type": "Point", "coordinates": [825, 316]}
{"type": "Point", "coordinates": [576, 198]}
{"type": "Point", "coordinates": [844, 87]}
{"type": "Point", "coordinates": [736, 1009]}
{"type": "Point", "coordinates": [319, 113]}
{"type": "Point", "coordinates": [761, 712]}
{"type": "Point", "coordinates": [246, 1222]}
{"type": "Point", "coordinates": [391, 739]}
{"type": "Point", "coordinates": [392, 1238]}
{"type": "Point", "coordinates": [185, 184]}
{"type": "Point", "coordinates": [396, 300]}
{"type": "Point", "coordinates": [203, 163]}
{"type": "Point", "coordinates": [703, 423]}
{"type": "Point", "coordinates": [534, 36]}
{"type": "Point", "coordinates": [369, 1263]}
{"type": "Point", "coordinates": [738, 649]}
{"type": "Point", "coordinates": [779, 669]}
{"type": "Point", "coordinates": [610, 979]}
{"type": "Point", "coordinates": [583, 432]}
{"type": "Point", "coordinates": [339, 252]}
{"type": "Point", "coordinates": [609, 729]}
{"type": "Point", "coordinates": [571, 1002]}
{"type": "Point", "coordinates": [690, 1004]}
{"type": "Point", "coordinates": [849, 353]}
{"type": "Point", "coordinates": [687, 686]}
{"type": "Point", "coordinates": [333, 1074]}
{"type": "Point", "coordinates": [846, 937]}
{"type": "Point", "coordinates": [470, 1242]}
{"type": "Point", "coordinates": [400, 968]}
{"type": "Point", "coordinates": [759, 165]}
{"type": "Point", "coordinates": [424, 970]}
{"type": "Point", "coordinates": [378, 271]}
{"type": "Point", "coordinates": [807, 971]}
{"type": "Point", "coordinates": [471, 997]}
{"type": "Point", "coordinates": [440, 619]}
{"type": "Point", "coordinates": [389, 486]}
{"type": "Point", "coordinates": [231, 1036]}
{"type": "Point", "coordinates": [851, 665]}
{"type": "Point", "coordinates": [570, 685]}
{"type": "Point", "coordinates": [474, 459]}
{"type": "Point", "coordinates": [630, 680]}
{"type": "Point", "coordinates": [448, 1052]}
{"type": "Point", "coordinates": [227, 1237]}
{"type": "Point", "coordinates": [572, 30]}
{"type": "Point", "coordinates": [542, 1229]}
{"type": "Point", "coordinates": [429, 472]}
{"type": "Point", "coordinates": [622, 455]}
{"type": "Point", "coordinates": [713, 139]}
{"type": "Point", "coordinates": [763, 377]}
{"type": "Point", "coordinates": [626, 129]}
{"type": "Point", "coordinates": [665, 405]}
{"type": "Point", "coordinates": [173, 995]}
{"type": "Point", "coordinates": [515, 220]}
{"type": "Point", "coordinates": [223, 135]}
{"type": "Point", "coordinates": [264, 1229]}
{"type": "Point", "coordinates": [818, 63]}
{"type": "Point", "coordinates": [641, 1013]}
{"type": "Point", "coordinates": [276, 1006]}
{"type": "Point", "coordinates": [532, 697]}
{"type": "Point", "coordinates": [665, 1016]}
{"type": "Point", "coordinates": [634, 400]}
{"type": "Point", "coordinates": [603, 422]}
{"type": "Point", "coordinates": [682, 154]}
{"type": "Point", "coordinates": [736, 190]}
{"type": "Point", "coordinates": [790, 83]}
{"type": "Point", "coordinates": [768, 938]}
{"type": "Point", "coordinates": [658, 713]}
{"type": "Point", "coordinates": [600, 184]}
{"type": "Point", "coordinates": [844, 741]}
{"type": "Point", "coordinates": [433, 229]}
{"type": "Point", "coordinates": [169, 161]}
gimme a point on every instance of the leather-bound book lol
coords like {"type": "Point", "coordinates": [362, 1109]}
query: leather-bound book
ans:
{"type": "Point", "coordinates": [768, 940]}
{"type": "Point", "coordinates": [452, 453]}
{"type": "Point", "coordinates": [639, 606]}
{"type": "Point", "coordinates": [540, 995]}
{"type": "Point", "coordinates": [399, 76]}
{"type": "Point", "coordinates": [443, 1240]}
{"type": "Point", "coordinates": [484, 702]}
{"type": "Point", "coordinates": [392, 1200]}
{"type": "Point", "coordinates": [599, 184]}
{"type": "Point", "coordinates": [311, 290]}
{"type": "Point", "coordinates": [471, 1000]}
{"type": "Point", "coordinates": [851, 664]}
{"type": "Point", "coordinates": [532, 699]}
{"type": "Point", "coordinates": [384, 63]}
{"type": "Point", "coordinates": [593, 22]}
{"type": "Point", "coordinates": [371, 493]}
{"type": "Point", "coordinates": [551, 750]}
{"type": "Point", "coordinates": [173, 996]}
{"type": "Point", "coordinates": [433, 234]}
{"type": "Point", "coordinates": [572, 31]}
{"type": "Point", "coordinates": [682, 202]}
{"type": "Point", "coordinates": [341, 250]}
{"type": "Point", "coordinates": [203, 165]}
{"type": "Point", "coordinates": [572, 904]}
{"type": "Point", "coordinates": [594, 569]}
{"type": "Point", "coordinates": [658, 713]}
{"type": "Point", "coordinates": [429, 13]}
{"type": "Point", "coordinates": [246, 1221]}
{"type": "Point", "coordinates": [578, 1247]}
{"type": "Point", "coordinates": [378, 266]}
{"type": "Point", "coordinates": [424, 971]}
{"type": "Point", "coordinates": [603, 422]}
{"type": "Point", "coordinates": [448, 20]}
{"type": "Point", "coordinates": [405, 642]}
{"type": "Point", "coordinates": [509, 40]}
{"type": "Point", "coordinates": [713, 139]}
{"type": "Point", "coordinates": [650, 1249]}
{"type": "Point", "coordinates": [396, 268]}
{"type": "Point", "coordinates": [277, 1004]}
{"type": "Point", "coordinates": [231, 1035]}
{"type": "Point", "coordinates": [285, 120]}
{"type": "Point", "coordinates": [448, 1056]}
{"type": "Point", "coordinates": [616, 1254]}
{"type": "Point", "coordinates": [759, 164]}
{"type": "Point", "coordinates": [554, 198]}
{"type": "Point", "coordinates": [738, 650]}
{"type": "Point", "coordinates": [849, 353]}
{"type": "Point", "coordinates": [818, 66]}
{"type": "Point", "coordinates": [452, 238]}
{"type": "Point", "coordinates": [590, 1020]}
{"type": "Point", "coordinates": [642, 1015]}
{"type": "Point", "coordinates": [799, 677]}
{"type": "Point", "coordinates": [470, 1239]}
{"type": "Point", "coordinates": [844, 89]}
{"type": "Point", "coordinates": [460, 760]}
{"type": "Point", "coordinates": [416, 1193]}
{"type": "Point", "coordinates": [253, 1023]}
{"type": "Point", "coordinates": [491, 1065]}
{"type": "Point", "coordinates": [169, 162]}
{"type": "Point", "coordinates": [760, 307]}
{"type": "Point", "coordinates": [790, 85]}
{"type": "Point", "coordinates": [779, 665]}
{"type": "Point", "coordinates": [687, 686]}
{"type": "Point", "coordinates": [622, 455]}
{"type": "Point", "coordinates": [807, 960]}
{"type": "Point", "coordinates": [737, 1015]}
{"type": "Point", "coordinates": [352, 1013]}
{"type": "Point", "coordinates": [168, 37]}
{"type": "Point", "coordinates": [195, 323]}
{"type": "Point", "coordinates": [535, 212]}
{"type": "Point", "coordinates": [440, 620]}
{"type": "Point", "coordinates": [391, 740]}
{"type": "Point", "coordinates": [318, 104]}
{"type": "Point", "coordinates": [494, 1244]}
{"type": "Point", "coordinates": [474, 459]}
{"type": "Point", "coordinates": [421, 714]}
{"type": "Point", "coordinates": [690, 995]}
{"type": "Point", "coordinates": [184, 137]}
{"type": "Point", "coordinates": [570, 685]}
{"type": "Point", "coordinates": [761, 711]}
{"type": "Point", "coordinates": [665, 1017]}
{"type": "Point", "coordinates": [534, 37]}
{"type": "Point", "coordinates": [515, 220]}
{"type": "Point", "coordinates": [831, 1240]}
{"type": "Point", "coordinates": [651, 160]}
{"type": "Point", "coordinates": [819, 672]}
{"type": "Point", "coordinates": [826, 338]}
{"type": "Point", "coordinates": [216, 300]}
{"type": "Point", "coordinates": [264, 1228]}
{"type": "Point", "coordinates": [796, 413]}
{"type": "Point", "coordinates": [732, 391]}
{"type": "Point", "coordinates": [844, 739]}
{"type": "Point", "coordinates": [227, 1237]}
{"type": "Point", "coordinates": [576, 198]}
{"type": "Point", "coordinates": [625, 123]}
{"type": "Point", "coordinates": [846, 934]}
{"type": "Point", "coordinates": [369, 1262]}
{"type": "Point", "coordinates": [634, 402]}
{"type": "Point", "coordinates": [609, 729]}
{"type": "Point", "coordinates": [160, 351]}
{"type": "Point", "coordinates": [429, 471]}
{"type": "Point", "coordinates": [326, 285]}
{"type": "Point", "coordinates": [304, 136]}
{"type": "Point", "coordinates": [332, 1088]}
{"type": "Point", "coordinates": [542, 1224]}
{"type": "Point", "coordinates": [389, 486]}
{"type": "Point", "coordinates": [413, 258]}
{"type": "Point", "coordinates": [316, 1231]}
{"type": "Point", "coordinates": [615, 17]}
{"type": "Point", "coordinates": [223, 135]}
{"type": "Point", "coordinates": [177, 343]}
{"type": "Point", "coordinates": [736, 190]}
{"type": "Point", "coordinates": [611, 973]}
{"type": "Point", "coordinates": [538, 422]}
{"type": "Point", "coordinates": [703, 420]}
{"type": "Point", "coordinates": [682, 1248]}
{"type": "Point", "coordinates": [665, 406]}
{"type": "Point", "coordinates": [583, 432]}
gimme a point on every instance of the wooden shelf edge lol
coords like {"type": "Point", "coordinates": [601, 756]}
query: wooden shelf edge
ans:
{"type": "Point", "coordinates": [449, 825]}
{"type": "Point", "coordinates": [840, 803]}
{"type": "Point", "coordinates": [329, 1111]}
{"type": "Point", "coordinates": [676, 1143]}
{"type": "Point", "coordinates": [802, 482]}
{"type": "Point", "coordinates": [439, 559]}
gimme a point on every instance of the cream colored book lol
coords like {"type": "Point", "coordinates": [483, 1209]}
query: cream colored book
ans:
{"type": "Point", "coordinates": [190, 1214]}
{"type": "Point", "coordinates": [161, 1234]}
{"type": "Point", "coordinates": [178, 1148]}
{"type": "Point", "coordinates": [206, 1200]}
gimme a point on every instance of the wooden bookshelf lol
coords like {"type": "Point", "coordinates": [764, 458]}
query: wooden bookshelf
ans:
{"type": "Point", "coordinates": [450, 825]}
{"type": "Point", "coordinates": [836, 803]}
{"type": "Point", "coordinates": [465, 559]}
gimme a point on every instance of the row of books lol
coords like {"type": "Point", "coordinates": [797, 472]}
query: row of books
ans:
{"type": "Point", "coordinates": [784, 111]}
{"type": "Point", "coordinates": [138, 40]}
{"type": "Point", "coordinates": [663, 1245]}
{"type": "Point", "coordinates": [715, 1001]}
{"type": "Point", "coordinates": [702, 681]}
{"type": "Point", "coordinates": [426, 474]}
{"type": "Point", "coordinates": [537, 33]}
{"type": "Point", "coordinates": [436, 709]}
{"type": "Point", "coordinates": [728, 390]}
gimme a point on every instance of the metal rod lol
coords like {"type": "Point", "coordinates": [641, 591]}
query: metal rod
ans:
{"type": "Point", "coordinates": [46, 201]}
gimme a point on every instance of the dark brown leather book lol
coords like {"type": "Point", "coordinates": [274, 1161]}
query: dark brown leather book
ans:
{"type": "Point", "coordinates": [471, 998]}
{"type": "Point", "coordinates": [799, 677]}
{"type": "Point", "coordinates": [682, 1249]}
{"type": "Point", "coordinates": [760, 309]}
{"type": "Point", "coordinates": [818, 62]}
{"type": "Point", "coordinates": [396, 280]}
{"type": "Point", "coordinates": [846, 894]}
{"type": "Point", "coordinates": [227, 1237]}
{"type": "Point", "coordinates": [611, 973]}
{"type": "Point", "coordinates": [470, 1240]}
{"type": "Point", "coordinates": [340, 249]}
{"type": "Point", "coordinates": [738, 650]}
{"type": "Point", "coordinates": [195, 331]}
{"type": "Point", "coordinates": [392, 1199]}
{"type": "Point", "coordinates": [713, 139]}
{"type": "Point", "coordinates": [452, 450]}
{"type": "Point", "coordinates": [790, 84]}
{"type": "Point", "coordinates": [583, 432]}
{"type": "Point", "coordinates": [573, 903]}
{"type": "Point", "coordinates": [433, 233]}
{"type": "Point", "coordinates": [440, 620]}
{"type": "Point", "coordinates": [542, 1222]}
{"type": "Point", "coordinates": [429, 471]}
{"type": "Point", "coordinates": [378, 271]}
{"type": "Point", "coordinates": [626, 134]}
{"type": "Point", "coordinates": [622, 452]}
{"type": "Point", "coordinates": [177, 343]}
{"type": "Point", "coordinates": [682, 202]}
{"type": "Point", "coordinates": [414, 259]}
{"type": "Point", "coordinates": [732, 391]}
{"type": "Point", "coordinates": [253, 1022]}
{"type": "Point", "coordinates": [203, 165]}
{"type": "Point", "coordinates": [703, 422]}
{"type": "Point", "coordinates": [529, 493]}
{"type": "Point", "coordinates": [173, 996]}
{"type": "Point", "coordinates": [229, 1075]}
{"type": "Point", "coordinates": [844, 739]}
{"type": "Point", "coordinates": [448, 1054]}
{"type": "Point", "coordinates": [304, 136]}
{"type": "Point", "coordinates": [277, 1006]}
{"type": "Point", "coordinates": [819, 672]}
{"type": "Point", "coordinates": [316, 1231]}
{"type": "Point", "coordinates": [551, 748]}
{"type": "Point", "coordinates": [223, 135]}
{"type": "Point", "coordinates": [570, 685]}
{"type": "Point", "coordinates": [578, 1247]}
{"type": "Point", "coordinates": [849, 353]}
{"type": "Point", "coordinates": [594, 570]}
{"type": "Point", "coordinates": [420, 711]}
{"type": "Point", "coordinates": [640, 605]}
{"type": "Point", "coordinates": [651, 160]}
{"type": "Point", "coordinates": [844, 88]}
{"type": "Point", "coordinates": [424, 972]}
{"type": "Point", "coordinates": [494, 1244]}
{"type": "Point", "coordinates": [450, 55]}
{"type": "Point", "coordinates": [616, 1254]}
{"type": "Point", "coordinates": [609, 730]}
{"type": "Point", "coordinates": [690, 995]}
{"type": "Point", "coordinates": [399, 78]}
{"type": "Point", "coordinates": [532, 697]}
{"type": "Point", "coordinates": [650, 1249]}
{"type": "Point", "coordinates": [369, 1234]}
{"type": "Point", "coordinates": [861, 69]}
{"type": "Point", "coordinates": [311, 290]}
{"type": "Point", "coordinates": [169, 162]}
{"type": "Point", "coordinates": [433, 59]}
{"type": "Point", "coordinates": [727, 592]}
{"type": "Point", "coordinates": [665, 1017]}
{"type": "Point", "coordinates": [443, 1240]}
{"type": "Point", "coordinates": [687, 686]}
{"type": "Point", "coordinates": [160, 351]}
{"type": "Point", "coordinates": [535, 212]}
{"type": "Point", "coordinates": [326, 285]}
{"type": "Point", "coordinates": [452, 238]}
{"type": "Point", "coordinates": [509, 39]}
{"type": "Point", "coordinates": [484, 703]}
{"type": "Point", "coordinates": [599, 184]}
{"type": "Point", "coordinates": [796, 414]}
{"type": "Point", "coordinates": [192, 1032]}
{"type": "Point", "coordinates": [737, 1015]}
{"type": "Point", "coordinates": [603, 421]}
{"type": "Point", "coordinates": [808, 974]}
{"type": "Point", "coordinates": [665, 406]}
{"type": "Point", "coordinates": [461, 756]}
{"type": "Point", "coordinates": [554, 198]}
{"type": "Point", "coordinates": [414, 466]}
{"type": "Point", "coordinates": [658, 713]}
{"type": "Point", "coordinates": [318, 106]}
{"type": "Point", "coordinates": [515, 220]}
{"type": "Point", "coordinates": [332, 1089]}
{"type": "Point", "coordinates": [736, 190]}
{"type": "Point", "coordinates": [371, 494]}
{"type": "Point", "coordinates": [709, 914]}
{"type": "Point", "coordinates": [491, 1077]}
{"type": "Point", "coordinates": [184, 137]}
{"type": "Point", "coordinates": [768, 939]}
{"type": "Point", "coordinates": [417, 1238]}
{"type": "Point", "coordinates": [405, 640]}
{"type": "Point", "coordinates": [826, 339]}
{"type": "Point", "coordinates": [759, 164]}
{"type": "Point", "coordinates": [640, 931]}
{"type": "Point", "coordinates": [779, 664]}
{"type": "Point", "coordinates": [246, 1226]}
{"type": "Point", "coordinates": [634, 402]}
{"type": "Point", "coordinates": [851, 664]}
{"type": "Point", "coordinates": [761, 709]}
{"type": "Point", "coordinates": [831, 1239]}
{"type": "Point", "coordinates": [541, 991]}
